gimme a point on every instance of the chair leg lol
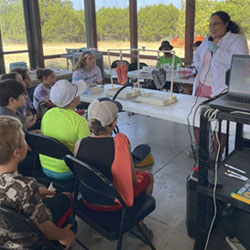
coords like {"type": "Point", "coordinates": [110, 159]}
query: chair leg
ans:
{"type": "Point", "coordinates": [119, 243]}
{"type": "Point", "coordinates": [146, 239]}
{"type": "Point", "coordinates": [81, 244]}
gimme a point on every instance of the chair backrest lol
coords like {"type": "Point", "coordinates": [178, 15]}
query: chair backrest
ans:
{"type": "Point", "coordinates": [45, 145]}
{"type": "Point", "coordinates": [69, 51]}
{"type": "Point", "coordinates": [116, 63]}
{"type": "Point", "coordinates": [133, 66]}
{"type": "Point", "coordinates": [14, 223]}
{"type": "Point", "coordinates": [30, 91]}
{"type": "Point", "coordinates": [94, 186]}
{"type": "Point", "coordinates": [18, 65]}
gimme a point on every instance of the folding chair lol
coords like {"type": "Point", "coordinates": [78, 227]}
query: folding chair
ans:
{"type": "Point", "coordinates": [116, 63]}
{"type": "Point", "coordinates": [45, 145]}
{"type": "Point", "coordinates": [134, 66]}
{"type": "Point", "coordinates": [97, 189]}
{"type": "Point", "coordinates": [15, 223]}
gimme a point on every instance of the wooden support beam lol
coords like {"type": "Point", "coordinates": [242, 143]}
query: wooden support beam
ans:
{"type": "Point", "coordinates": [33, 33]}
{"type": "Point", "coordinates": [90, 23]}
{"type": "Point", "coordinates": [2, 64]}
{"type": "Point", "coordinates": [189, 31]}
{"type": "Point", "coordinates": [133, 28]}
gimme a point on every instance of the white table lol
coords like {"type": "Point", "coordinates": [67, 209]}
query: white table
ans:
{"type": "Point", "coordinates": [144, 75]}
{"type": "Point", "coordinates": [176, 112]}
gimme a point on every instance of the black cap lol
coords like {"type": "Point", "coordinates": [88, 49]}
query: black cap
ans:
{"type": "Point", "coordinates": [166, 45]}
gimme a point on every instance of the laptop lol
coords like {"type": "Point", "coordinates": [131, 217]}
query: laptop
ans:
{"type": "Point", "coordinates": [238, 95]}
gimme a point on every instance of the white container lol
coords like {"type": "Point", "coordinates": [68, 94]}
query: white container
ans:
{"type": "Point", "coordinates": [178, 67]}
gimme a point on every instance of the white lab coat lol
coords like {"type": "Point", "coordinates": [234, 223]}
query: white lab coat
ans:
{"type": "Point", "coordinates": [221, 61]}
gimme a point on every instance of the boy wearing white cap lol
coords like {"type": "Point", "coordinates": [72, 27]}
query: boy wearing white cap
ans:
{"type": "Point", "coordinates": [63, 124]}
{"type": "Point", "coordinates": [112, 155]}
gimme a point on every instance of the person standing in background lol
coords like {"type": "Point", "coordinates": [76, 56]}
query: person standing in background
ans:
{"type": "Point", "coordinates": [213, 58]}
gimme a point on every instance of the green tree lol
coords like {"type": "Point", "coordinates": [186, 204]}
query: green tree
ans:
{"type": "Point", "coordinates": [12, 22]}
{"type": "Point", "coordinates": [112, 24]}
{"type": "Point", "coordinates": [157, 22]}
{"type": "Point", "coordinates": [63, 25]}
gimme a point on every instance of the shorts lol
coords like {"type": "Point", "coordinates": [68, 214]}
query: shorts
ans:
{"type": "Point", "coordinates": [143, 180]}
{"type": "Point", "coordinates": [60, 208]}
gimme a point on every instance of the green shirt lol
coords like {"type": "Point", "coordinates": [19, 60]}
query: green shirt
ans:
{"type": "Point", "coordinates": [66, 126]}
{"type": "Point", "coordinates": [164, 60]}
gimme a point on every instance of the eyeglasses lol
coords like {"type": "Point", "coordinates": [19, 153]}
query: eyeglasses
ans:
{"type": "Point", "coordinates": [214, 24]}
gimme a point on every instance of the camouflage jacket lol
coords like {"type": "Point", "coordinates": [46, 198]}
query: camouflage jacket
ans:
{"type": "Point", "coordinates": [22, 194]}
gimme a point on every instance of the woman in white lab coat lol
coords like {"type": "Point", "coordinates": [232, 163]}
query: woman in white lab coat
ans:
{"type": "Point", "coordinates": [213, 58]}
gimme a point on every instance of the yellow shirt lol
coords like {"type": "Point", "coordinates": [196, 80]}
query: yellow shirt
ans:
{"type": "Point", "coordinates": [66, 126]}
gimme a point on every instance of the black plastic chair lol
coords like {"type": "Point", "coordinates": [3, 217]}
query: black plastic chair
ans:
{"type": "Point", "coordinates": [116, 63]}
{"type": "Point", "coordinates": [97, 189]}
{"type": "Point", "coordinates": [45, 145]}
{"type": "Point", "coordinates": [134, 66]}
{"type": "Point", "coordinates": [30, 91]}
{"type": "Point", "coordinates": [13, 223]}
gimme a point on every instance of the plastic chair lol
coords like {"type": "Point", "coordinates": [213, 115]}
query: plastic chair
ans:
{"type": "Point", "coordinates": [133, 66]}
{"type": "Point", "coordinates": [97, 189]}
{"type": "Point", "coordinates": [116, 63]}
{"type": "Point", "coordinates": [45, 145]}
{"type": "Point", "coordinates": [69, 51]}
{"type": "Point", "coordinates": [13, 222]}
{"type": "Point", "coordinates": [17, 65]}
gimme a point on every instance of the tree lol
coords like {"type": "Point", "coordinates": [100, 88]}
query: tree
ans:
{"type": "Point", "coordinates": [12, 22]}
{"type": "Point", "coordinates": [157, 22]}
{"type": "Point", "coordinates": [112, 24]}
{"type": "Point", "coordinates": [64, 25]}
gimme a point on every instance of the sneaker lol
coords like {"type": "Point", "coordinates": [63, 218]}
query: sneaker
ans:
{"type": "Point", "coordinates": [145, 229]}
{"type": "Point", "coordinates": [195, 153]}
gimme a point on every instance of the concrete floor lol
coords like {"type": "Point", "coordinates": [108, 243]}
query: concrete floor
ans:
{"type": "Point", "coordinates": [169, 144]}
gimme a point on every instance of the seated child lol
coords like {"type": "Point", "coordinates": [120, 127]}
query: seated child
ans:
{"type": "Point", "coordinates": [28, 112]}
{"type": "Point", "coordinates": [12, 98]}
{"type": "Point", "coordinates": [25, 75]}
{"type": "Point", "coordinates": [25, 196]}
{"type": "Point", "coordinates": [63, 124]}
{"type": "Point", "coordinates": [42, 91]}
{"type": "Point", "coordinates": [102, 151]}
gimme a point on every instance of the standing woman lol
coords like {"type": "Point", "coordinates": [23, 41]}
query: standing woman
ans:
{"type": "Point", "coordinates": [213, 58]}
{"type": "Point", "coordinates": [87, 70]}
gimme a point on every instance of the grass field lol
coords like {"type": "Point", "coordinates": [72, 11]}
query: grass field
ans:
{"type": "Point", "coordinates": [60, 48]}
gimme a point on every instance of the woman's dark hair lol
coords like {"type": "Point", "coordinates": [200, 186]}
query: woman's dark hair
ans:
{"type": "Point", "coordinates": [197, 43]}
{"type": "Point", "coordinates": [232, 26]}
{"type": "Point", "coordinates": [11, 75]}
{"type": "Point", "coordinates": [96, 127]}
{"type": "Point", "coordinates": [10, 88]}
{"type": "Point", "coordinates": [43, 73]}
{"type": "Point", "coordinates": [21, 71]}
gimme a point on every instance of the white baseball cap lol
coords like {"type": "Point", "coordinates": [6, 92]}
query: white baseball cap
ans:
{"type": "Point", "coordinates": [64, 92]}
{"type": "Point", "coordinates": [104, 110]}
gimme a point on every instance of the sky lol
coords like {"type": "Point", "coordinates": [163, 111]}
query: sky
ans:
{"type": "Point", "coordinates": [78, 4]}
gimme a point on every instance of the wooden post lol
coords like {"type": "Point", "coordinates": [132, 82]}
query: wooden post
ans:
{"type": "Point", "coordinates": [133, 29]}
{"type": "Point", "coordinates": [189, 31]}
{"type": "Point", "coordinates": [90, 23]}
